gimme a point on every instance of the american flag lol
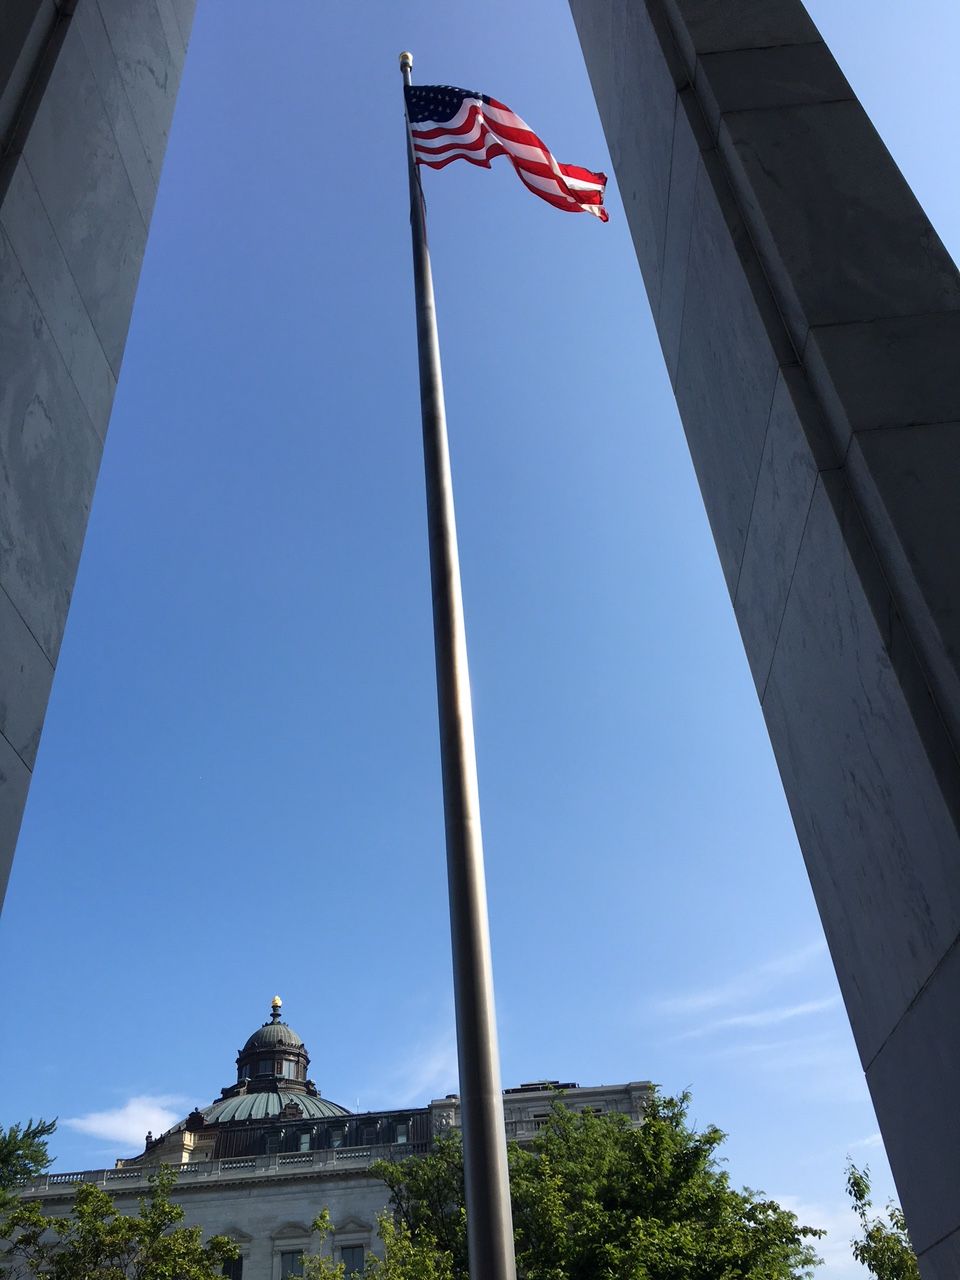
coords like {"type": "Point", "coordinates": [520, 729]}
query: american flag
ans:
{"type": "Point", "coordinates": [458, 124]}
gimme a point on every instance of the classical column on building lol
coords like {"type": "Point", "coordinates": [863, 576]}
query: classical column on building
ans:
{"type": "Point", "coordinates": [87, 91]}
{"type": "Point", "coordinates": [810, 321]}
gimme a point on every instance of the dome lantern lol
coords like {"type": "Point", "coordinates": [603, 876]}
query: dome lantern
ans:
{"type": "Point", "coordinates": [272, 1103]}
{"type": "Point", "coordinates": [273, 1052]}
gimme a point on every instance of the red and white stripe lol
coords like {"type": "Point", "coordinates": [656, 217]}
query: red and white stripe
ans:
{"type": "Point", "coordinates": [482, 130]}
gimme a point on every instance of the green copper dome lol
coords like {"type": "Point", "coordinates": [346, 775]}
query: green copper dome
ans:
{"type": "Point", "coordinates": [267, 1104]}
{"type": "Point", "coordinates": [272, 1107]}
{"type": "Point", "coordinates": [273, 1035]}
{"type": "Point", "coordinates": [271, 1073]}
{"type": "Point", "coordinates": [274, 1050]}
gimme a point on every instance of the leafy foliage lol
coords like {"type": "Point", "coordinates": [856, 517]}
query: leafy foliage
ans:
{"type": "Point", "coordinates": [96, 1240]}
{"type": "Point", "coordinates": [429, 1204]}
{"type": "Point", "coordinates": [408, 1257]}
{"type": "Point", "coordinates": [315, 1265]}
{"type": "Point", "coordinates": [23, 1154]}
{"type": "Point", "coordinates": [595, 1199]}
{"type": "Point", "coordinates": [405, 1258]}
{"type": "Point", "coordinates": [884, 1248]}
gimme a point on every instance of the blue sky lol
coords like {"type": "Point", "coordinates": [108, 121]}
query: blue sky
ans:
{"type": "Point", "coordinates": [238, 788]}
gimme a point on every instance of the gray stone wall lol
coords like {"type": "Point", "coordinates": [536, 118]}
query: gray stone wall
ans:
{"type": "Point", "coordinates": [810, 321]}
{"type": "Point", "coordinates": [267, 1219]}
{"type": "Point", "coordinates": [267, 1214]}
{"type": "Point", "coordinates": [87, 91]}
{"type": "Point", "coordinates": [526, 1107]}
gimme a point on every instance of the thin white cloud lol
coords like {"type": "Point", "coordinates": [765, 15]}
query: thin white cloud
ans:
{"type": "Point", "coordinates": [128, 1124]}
{"type": "Point", "coordinates": [747, 986]}
{"type": "Point", "coordinates": [763, 1017]}
{"type": "Point", "coordinates": [871, 1140]}
{"type": "Point", "coordinates": [840, 1224]}
{"type": "Point", "coordinates": [777, 1049]}
{"type": "Point", "coordinates": [427, 1070]}
{"type": "Point", "coordinates": [816, 1066]}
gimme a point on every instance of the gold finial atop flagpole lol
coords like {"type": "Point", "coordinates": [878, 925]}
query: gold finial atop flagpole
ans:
{"type": "Point", "coordinates": [406, 61]}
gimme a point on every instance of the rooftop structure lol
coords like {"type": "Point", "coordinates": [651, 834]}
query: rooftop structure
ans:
{"type": "Point", "coordinates": [260, 1162]}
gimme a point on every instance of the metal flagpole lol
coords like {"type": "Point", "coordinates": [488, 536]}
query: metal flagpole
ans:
{"type": "Point", "coordinates": [489, 1217]}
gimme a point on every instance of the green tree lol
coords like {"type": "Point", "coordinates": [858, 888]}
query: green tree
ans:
{"type": "Point", "coordinates": [884, 1247]}
{"type": "Point", "coordinates": [95, 1240]}
{"type": "Point", "coordinates": [429, 1203]}
{"type": "Point", "coordinates": [315, 1265]}
{"type": "Point", "coordinates": [408, 1257]}
{"type": "Point", "coordinates": [596, 1199]}
{"type": "Point", "coordinates": [23, 1154]}
{"type": "Point", "coordinates": [405, 1258]}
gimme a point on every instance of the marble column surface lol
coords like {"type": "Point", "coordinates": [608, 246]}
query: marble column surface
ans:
{"type": "Point", "coordinates": [810, 322]}
{"type": "Point", "coordinates": [86, 102]}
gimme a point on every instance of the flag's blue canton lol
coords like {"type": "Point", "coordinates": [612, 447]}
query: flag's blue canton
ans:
{"type": "Point", "coordinates": [437, 102]}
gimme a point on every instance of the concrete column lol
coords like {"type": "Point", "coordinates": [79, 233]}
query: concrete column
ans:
{"type": "Point", "coordinates": [87, 91]}
{"type": "Point", "coordinates": [810, 320]}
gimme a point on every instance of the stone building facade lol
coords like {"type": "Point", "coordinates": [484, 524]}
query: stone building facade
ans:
{"type": "Point", "coordinates": [260, 1162]}
{"type": "Point", "coordinates": [87, 93]}
{"type": "Point", "coordinates": [809, 317]}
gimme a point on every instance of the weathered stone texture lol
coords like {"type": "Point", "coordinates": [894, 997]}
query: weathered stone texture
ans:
{"type": "Point", "coordinates": [810, 321]}
{"type": "Point", "coordinates": [86, 102]}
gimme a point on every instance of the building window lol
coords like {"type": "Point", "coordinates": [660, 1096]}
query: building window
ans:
{"type": "Point", "coordinates": [351, 1255]}
{"type": "Point", "coordinates": [233, 1270]}
{"type": "Point", "coordinates": [264, 1067]}
{"type": "Point", "coordinates": [403, 1133]}
{"type": "Point", "coordinates": [291, 1263]}
{"type": "Point", "coordinates": [336, 1137]}
{"type": "Point", "coordinates": [304, 1142]}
